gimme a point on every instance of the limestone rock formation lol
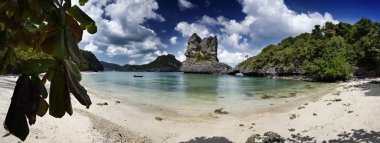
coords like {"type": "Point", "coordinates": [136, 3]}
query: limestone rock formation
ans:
{"type": "Point", "coordinates": [201, 56]}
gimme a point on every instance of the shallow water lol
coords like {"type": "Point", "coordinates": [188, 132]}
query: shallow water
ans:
{"type": "Point", "coordinates": [199, 91]}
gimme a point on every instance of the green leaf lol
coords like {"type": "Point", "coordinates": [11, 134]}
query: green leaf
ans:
{"type": "Point", "coordinates": [58, 91]}
{"type": "Point", "coordinates": [40, 88]}
{"type": "Point", "coordinates": [91, 28]}
{"type": "Point", "coordinates": [58, 45]}
{"type": "Point", "coordinates": [48, 76]}
{"type": "Point", "coordinates": [78, 91]}
{"type": "Point", "coordinates": [34, 66]}
{"type": "Point", "coordinates": [80, 16]}
{"type": "Point", "coordinates": [43, 106]}
{"type": "Point", "coordinates": [73, 69]}
{"type": "Point", "coordinates": [15, 122]}
{"type": "Point", "coordinates": [82, 2]}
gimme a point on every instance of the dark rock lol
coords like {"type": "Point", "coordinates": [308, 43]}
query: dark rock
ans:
{"type": "Point", "coordinates": [101, 104]}
{"type": "Point", "coordinates": [252, 138]}
{"type": "Point", "coordinates": [241, 125]}
{"type": "Point", "coordinates": [292, 129]}
{"type": "Point", "coordinates": [220, 111]}
{"type": "Point", "coordinates": [301, 107]}
{"type": "Point", "coordinates": [272, 137]}
{"type": "Point", "coordinates": [158, 118]}
{"type": "Point", "coordinates": [201, 56]}
{"type": "Point", "coordinates": [293, 116]}
{"type": "Point", "coordinates": [314, 114]}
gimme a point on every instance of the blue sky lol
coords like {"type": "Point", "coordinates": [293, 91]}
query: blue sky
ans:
{"type": "Point", "coordinates": [137, 31]}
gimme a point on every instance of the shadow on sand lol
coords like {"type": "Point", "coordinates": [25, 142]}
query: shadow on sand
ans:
{"type": "Point", "coordinates": [208, 140]}
{"type": "Point", "coordinates": [356, 136]}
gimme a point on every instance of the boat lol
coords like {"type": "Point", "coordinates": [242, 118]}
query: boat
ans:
{"type": "Point", "coordinates": [137, 76]}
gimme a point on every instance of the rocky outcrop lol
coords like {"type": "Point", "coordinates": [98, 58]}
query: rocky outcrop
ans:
{"type": "Point", "coordinates": [201, 56]}
{"type": "Point", "coordinates": [265, 72]}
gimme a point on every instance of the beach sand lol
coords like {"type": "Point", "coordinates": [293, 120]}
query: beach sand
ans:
{"type": "Point", "coordinates": [351, 112]}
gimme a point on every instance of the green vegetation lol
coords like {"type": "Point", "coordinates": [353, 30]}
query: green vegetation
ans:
{"type": "Point", "coordinates": [328, 54]}
{"type": "Point", "coordinates": [90, 62]}
{"type": "Point", "coordinates": [199, 57]}
{"type": "Point", "coordinates": [164, 63]}
{"type": "Point", "coordinates": [39, 36]}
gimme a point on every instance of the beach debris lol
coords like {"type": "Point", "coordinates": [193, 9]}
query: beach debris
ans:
{"type": "Point", "coordinates": [283, 96]}
{"type": "Point", "coordinates": [337, 93]}
{"type": "Point", "coordinates": [293, 116]}
{"type": "Point", "coordinates": [302, 107]}
{"type": "Point", "coordinates": [241, 125]}
{"type": "Point", "coordinates": [292, 129]}
{"type": "Point", "coordinates": [350, 111]}
{"type": "Point", "coordinates": [266, 96]}
{"type": "Point", "coordinates": [158, 118]}
{"type": "Point", "coordinates": [118, 102]}
{"type": "Point", "coordinates": [292, 94]}
{"type": "Point", "coordinates": [250, 127]}
{"type": "Point", "coordinates": [314, 114]}
{"type": "Point", "coordinates": [253, 124]}
{"type": "Point", "coordinates": [329, 103]}
{"type": "Point", "coordinates": [346, 104]}
{"type": "Point", "coordinates": [101, 104]}
{"type": "Point", "coordinates": [306, 104]}
{"type": "Point", "coordinates": [220, 111]}
{"type": "Point", "coordinates": [271, 104]}
{"type": "Point", "coordinates": [337, 100]}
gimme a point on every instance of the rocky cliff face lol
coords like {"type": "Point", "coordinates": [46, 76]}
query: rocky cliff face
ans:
{"type": "Point", "coordinates": [201, 56]}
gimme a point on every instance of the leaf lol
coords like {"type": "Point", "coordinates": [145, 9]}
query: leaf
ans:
{"type": "Point", "coordinates": [43, 106]}
{"type": "Point", "coordinates": [58, 45]}
{"type": "Point", "coordinates": [82, 2]}
{"type": "Point", "coordinates": [80, 16]}
{"type": "Point", "coordinates": [78, 91]}
{"type": "Point", "coordinates": [73, 36]}
{"type": "Point", "coordinates": [40, 88]}
{"type": "Point", "coordinates": [34, 66]}
{"type": "Point", "coordinates": [91, 28]}
{"type": "Point", "coordinates": [15, 122]}
{"type": "Point", "coordinates": [58, 91]}
{"type": "Point", "coordinates": [73, 69]}
{"type": "Point", "coordinates": [48, 76]}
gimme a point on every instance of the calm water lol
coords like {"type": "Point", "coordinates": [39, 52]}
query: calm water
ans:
{"type": "Point", "coordinates": [197, 90]}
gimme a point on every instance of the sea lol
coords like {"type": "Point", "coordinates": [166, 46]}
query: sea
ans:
{"type": "Point", "coordinates": [202, 92]}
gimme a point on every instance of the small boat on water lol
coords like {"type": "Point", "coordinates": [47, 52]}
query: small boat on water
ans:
{"type": "Point", "coordinates": [137, 76]}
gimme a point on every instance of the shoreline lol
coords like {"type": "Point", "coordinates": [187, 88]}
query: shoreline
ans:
{"type": "Point", "coordinates": [352, 105]}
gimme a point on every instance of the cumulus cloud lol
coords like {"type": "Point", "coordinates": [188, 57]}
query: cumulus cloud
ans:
{"type": "Point", "coordinates": [231, 58]}
{"type": "Point", "coordinates": [93, 48]}
{"type": "Point", "coordinates": [120, 27]}
{"type": "Point", "coordinates": [266, 22]}
{"type": "Point", "coordinates": [173, 40]}
{"type": "Point", "coordinates": [187, 29]}
{"type": "Point", "coordinates": [185, 4]}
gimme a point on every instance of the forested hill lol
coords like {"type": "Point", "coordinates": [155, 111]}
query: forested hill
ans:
{"type": "Point", "coordinates": [90, 62]}
{"type": "Point", "coordinates": [333, 52]}
{"type": "Point", "coordinates": [164, 63]}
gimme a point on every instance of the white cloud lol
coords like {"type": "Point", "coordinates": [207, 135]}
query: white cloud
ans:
{"type": "Point", "coordinates": [187, 29]}
{"type": "Point", "coordinates": [93, 48]}
{"type": "Point", "coordinates": [120, 27]}
{"type": "Point", "coordinates": [231, 59]}
{"type": "Point", "coordinates": [173, 40]}
{"type": "Point", "coordinates": [266, 22]}
{"type": "Point", "coordinates": [185, 4]}
{"type": "Point", "coordinates": [132, 62]}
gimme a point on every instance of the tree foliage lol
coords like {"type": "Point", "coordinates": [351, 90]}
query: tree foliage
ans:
{"type": "Point", "coordinates": [42, 36]}
{"type": "Point", "coordinates": [328, 53]}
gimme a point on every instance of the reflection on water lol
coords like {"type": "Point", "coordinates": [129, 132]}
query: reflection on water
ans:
{"type": "Point", "coordinates": [182, 88]}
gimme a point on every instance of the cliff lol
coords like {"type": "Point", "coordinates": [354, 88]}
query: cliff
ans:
{"type": "Point", "coordinates": [201, 56]}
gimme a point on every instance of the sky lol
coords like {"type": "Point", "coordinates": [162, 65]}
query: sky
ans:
{"type": "Point", "coordinates": [137, 31]}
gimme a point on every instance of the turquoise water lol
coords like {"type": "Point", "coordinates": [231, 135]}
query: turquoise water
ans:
{"type": "Point", "coordinates": [197, 90]}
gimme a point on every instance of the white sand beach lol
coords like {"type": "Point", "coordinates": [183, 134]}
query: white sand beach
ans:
{"type": "Point", "coordinates": [351, 110]}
